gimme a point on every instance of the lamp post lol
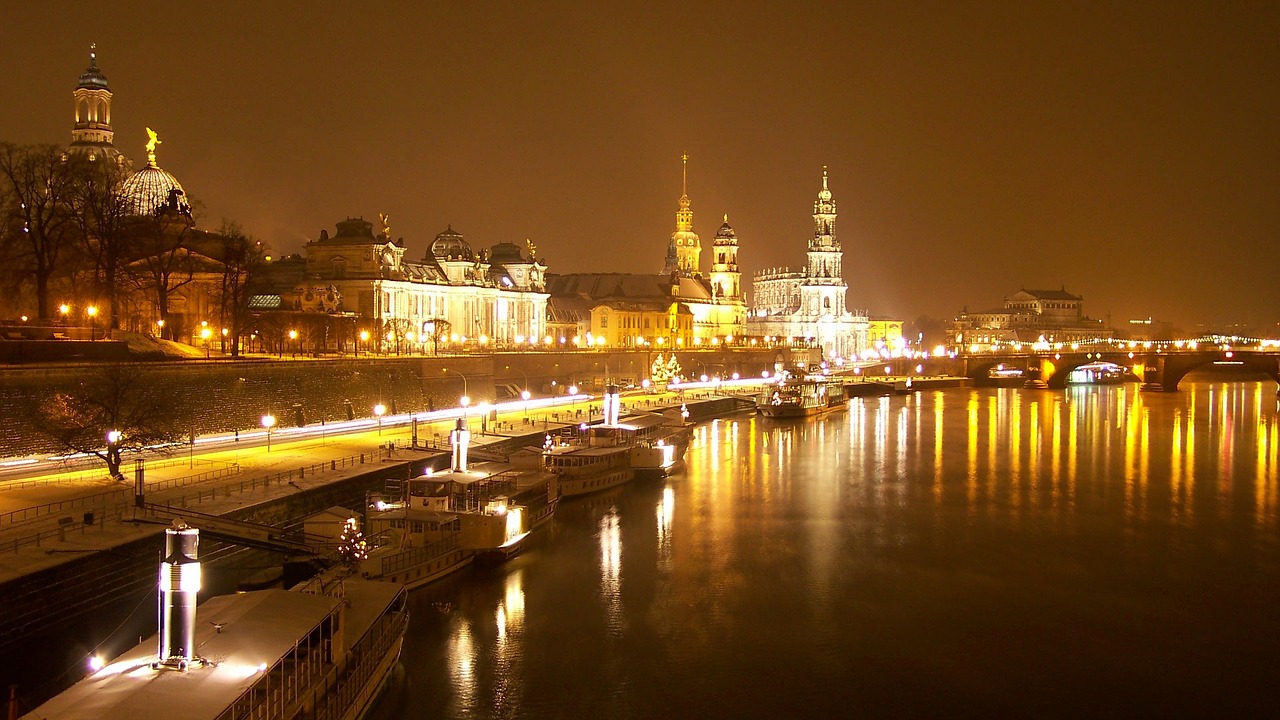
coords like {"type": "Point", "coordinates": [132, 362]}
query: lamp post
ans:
{"type": "Point", "coordinates": [364, 338]}
{"type": "Point", "coordinates": [465, 400]}
{"type": "Point", "coordinates": [204, 337]}
{"type": "Point", "coordinates": [268, 422]}
{"type": "Point", "coordinates": [378, 411]}
{"type": "Point", "coordinates": [92, 312]}
{"type": "Point", "coordinates": [293, 335]}
{"type": "Point", "coordinates": [113, 453]}
{"type": "Point", "coordinates": [64, 310]}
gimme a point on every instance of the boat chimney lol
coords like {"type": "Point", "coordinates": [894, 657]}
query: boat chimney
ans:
{"type": "Point", "coordinates": [460, 438]}
{"type": "Point", "coordinates": [179, 586]}
{"type": "Point", "coordinates": [612, 403]}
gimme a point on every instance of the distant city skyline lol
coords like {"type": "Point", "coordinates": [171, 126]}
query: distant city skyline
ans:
{"type": "Point", "coordinates": [1124, 153]}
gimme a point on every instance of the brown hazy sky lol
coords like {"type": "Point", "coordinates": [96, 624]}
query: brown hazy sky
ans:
{"type": "Point", "coordinates": [1128, 151]}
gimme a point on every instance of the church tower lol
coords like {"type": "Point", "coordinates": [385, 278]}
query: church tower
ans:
{"type": "Point", "coordinates": [725, 277]}
{"type": "Point", "coordinates": [824, 286]}
{"type": "Point", "coordinates": [688, 248]}
{"type": "Point", "coordinates": [92, 135]}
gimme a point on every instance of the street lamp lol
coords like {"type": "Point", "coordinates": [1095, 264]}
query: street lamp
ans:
{"type": "Point", "coordinates": [204, 337]}
{"type": "Point", "coordinates": [465, 395]}
{"type": "Point", "coordinates": [378, 411]}
{"type": "Point", "coordinates": [92, 312]}
{"type": "Point", "coordinates": [364, 338]}
{"type": "Point", "coordinates": [293, 335]}
{"type": "Point", "coordinates": [113, 453]}
{"type": "Point", "coordinates": [65, 310]}
{"type": "Point", "coordinates": [268, 422]}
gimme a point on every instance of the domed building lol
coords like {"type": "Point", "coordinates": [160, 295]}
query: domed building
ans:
{"type": "Point", "coordinates": [152, 189]}
{"type": "Point", "coordinates": [459, 295]}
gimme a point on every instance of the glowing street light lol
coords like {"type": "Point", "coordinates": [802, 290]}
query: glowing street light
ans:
{"type": "Point", "coordinates": [466, 399]}
{"type": "Point", "coordinates": [378, 411]}
{"type": "Point", "coordinates": [268, 422]}
{"type": "Point", "coordinates": [113, 453]}
{"type": "Point", "coordinates": [92, 312]}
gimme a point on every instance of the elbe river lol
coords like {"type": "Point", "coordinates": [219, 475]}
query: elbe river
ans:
{"type": "Point", "coordinates": [1094, 552]}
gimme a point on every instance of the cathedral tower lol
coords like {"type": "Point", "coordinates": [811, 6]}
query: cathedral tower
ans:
{"type": "Point", "coordinates": [824, 248]}
{"type": "Point", "coordinates": [823, 291]}
{"type": "Point", "coordinates": [685, 242]}
{"type": "Point", "coordinates": [92, 135]}
{"type": "Point", "coordinates": [725, 278]}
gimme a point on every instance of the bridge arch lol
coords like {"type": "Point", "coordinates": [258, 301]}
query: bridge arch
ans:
{"type": "Point", "coordinates": [1170, 369]}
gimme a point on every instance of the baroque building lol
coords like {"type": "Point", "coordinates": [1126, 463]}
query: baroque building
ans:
{"type": "Point", "coordinates": [677, 307]}
{"type": "Point", "coordinates": [452, 294]}
{"type": "Point", "coordinates": [808, 305]}
{"type": "Point", "coordinates": [1028, 316]}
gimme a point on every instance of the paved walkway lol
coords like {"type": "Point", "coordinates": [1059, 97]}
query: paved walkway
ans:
{"type": "Point", "coordinates": [47, 519]}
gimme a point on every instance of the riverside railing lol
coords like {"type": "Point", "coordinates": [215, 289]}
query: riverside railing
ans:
{"type": "Point", "coordinates": [116, 510]}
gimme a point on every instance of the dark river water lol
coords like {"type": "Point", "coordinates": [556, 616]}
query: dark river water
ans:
{"type": "Point", "coordinates": [963, 553]}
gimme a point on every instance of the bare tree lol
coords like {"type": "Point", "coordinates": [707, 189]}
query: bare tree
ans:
{"type": "Point", "coordinates": [41, 186]}
{"type": "Point", "coordinates": [241, 257]}
{"type": "Point", "coordinates": [101, 213]}
{"type": "Point", "coordinates": [113, 410]}
{"type": "Point", "coordinates": [165, 263]}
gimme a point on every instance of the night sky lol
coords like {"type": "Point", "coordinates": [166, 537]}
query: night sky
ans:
{"type": "Point", "coordinates": [1126, 151]}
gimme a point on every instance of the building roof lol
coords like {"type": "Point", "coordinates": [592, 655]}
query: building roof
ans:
{"type": "Point", "coordinates": [1049, 294]}
{"type": "Point", "coordinates": [152, 189]}
{"type": "Point", "coordinates": [92, 78]}
{"type": "Point", "coordinates": [450, 245]}
{"type": "Point", "coordinates": [629, 286]}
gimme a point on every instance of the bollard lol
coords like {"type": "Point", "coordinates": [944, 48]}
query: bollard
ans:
{"type": "Point", "coordinates": [333, 464]}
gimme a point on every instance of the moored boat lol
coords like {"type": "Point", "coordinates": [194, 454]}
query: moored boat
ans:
{"type": "Point", "coordinates": [658, 444]}
{"type": "Point", "coordinates": [322, 650]}
{"type": "Point", "coordinates": [446, 520]}
{"type": "Point", "coordinates": [793, 397]}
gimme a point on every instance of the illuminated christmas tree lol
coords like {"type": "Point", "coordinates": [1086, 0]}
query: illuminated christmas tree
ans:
{"type": "Point", "coordinates": [352, 548]}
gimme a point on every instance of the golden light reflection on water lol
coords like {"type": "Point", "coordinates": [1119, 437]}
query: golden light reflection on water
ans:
{"type": "Point", "coordinates": [666, 512]}
{"type": "Point", "coordinates": [610, 533]}
{"type": "Point", "coordinates": [972, 486]}
{"type": "Point", "coordinates": [1150, 456]}
{"type": "Point", "coordinates": [462, 663]}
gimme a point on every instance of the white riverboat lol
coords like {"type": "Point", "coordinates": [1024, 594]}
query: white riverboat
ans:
{"type": "Point", "coordinates": [802, 397]}
{"type": "Point", "coordinates": [442, 521]}
{"type": "Point", "coordinates": [322, 651]}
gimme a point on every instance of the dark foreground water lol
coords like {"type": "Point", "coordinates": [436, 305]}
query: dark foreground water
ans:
{"type": "Point", "coordinates": [983, 553]}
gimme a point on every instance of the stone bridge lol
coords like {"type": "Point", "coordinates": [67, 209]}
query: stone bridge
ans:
{"type": "Point", "coordinates": [1159, 370]}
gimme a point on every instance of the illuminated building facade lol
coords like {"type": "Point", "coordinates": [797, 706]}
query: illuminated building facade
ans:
{"type": "Point", "coordinates": [678, 307]}
{"type": "Point", "coordinates": [491, 297]}
{"type": "Point", "coordinates": [808, 305]}
{"type": "Point", "coordinates": [1028, 316]}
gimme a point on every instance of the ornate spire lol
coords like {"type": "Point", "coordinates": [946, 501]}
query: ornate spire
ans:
{"type": "Point", "coordinates": [684, 182]}
{"type": "Point", "coordinates": [825, 194]}
{"type": "Point", "coordinates": [684, 217]}
{"type": "Point", "coordinates": [92, 77]}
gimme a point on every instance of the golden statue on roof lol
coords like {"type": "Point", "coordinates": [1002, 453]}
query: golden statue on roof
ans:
{"type": "Point", "coordinates": [533, 249]}
{"type": "Point", "coordinates": [385, 219]}
{"type": "Point", "coordinates": [152, 142]}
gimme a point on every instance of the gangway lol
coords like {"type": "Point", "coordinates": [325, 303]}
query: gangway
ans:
{"type": "Point", "coordinates": [241, 532]}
